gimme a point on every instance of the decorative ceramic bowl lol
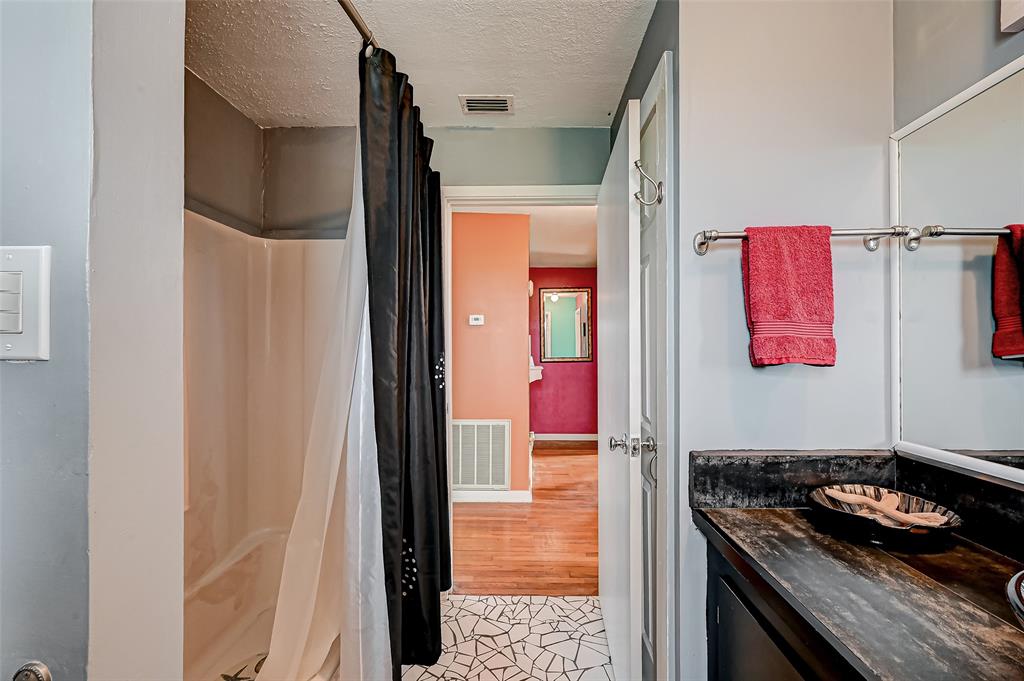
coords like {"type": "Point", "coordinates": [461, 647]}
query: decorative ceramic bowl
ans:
{"type": "Point", "coordinates": [1015, 594]}
{"type": "Point", "coordinates": [849, 518]}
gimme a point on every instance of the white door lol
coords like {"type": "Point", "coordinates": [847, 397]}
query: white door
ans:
{"type": "Point", "coordinates": [655, 362]}
{"type": "Point", "coordinates": [619, 401]}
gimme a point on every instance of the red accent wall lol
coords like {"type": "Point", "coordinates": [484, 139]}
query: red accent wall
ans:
{"type": "Point", "coordinates": [565, 400]}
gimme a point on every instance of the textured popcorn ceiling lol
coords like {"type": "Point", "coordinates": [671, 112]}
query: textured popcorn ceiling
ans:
{"type": "Point", "coordinates": [293, 62]}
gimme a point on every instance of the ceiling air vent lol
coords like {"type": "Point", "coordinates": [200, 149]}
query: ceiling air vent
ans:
{"type": "Point", "coordinates": [486, 104]}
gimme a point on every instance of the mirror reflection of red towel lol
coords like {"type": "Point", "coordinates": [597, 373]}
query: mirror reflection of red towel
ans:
{"type": "Point", "coordinates": [787, 292]}
{"type": "Point", "coordinates": [1008, 294]}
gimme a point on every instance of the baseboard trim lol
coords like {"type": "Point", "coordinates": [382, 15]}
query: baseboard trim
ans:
{"type": "Point", "coordinates": [568, 437]}
{"type": "Point", "coordinates": [499, 496]}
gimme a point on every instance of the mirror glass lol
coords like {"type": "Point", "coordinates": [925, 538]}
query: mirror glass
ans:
{"type": "Point", "coordinates": [565, 325]}
{"type": "Point", "coordinates": [964, 169]}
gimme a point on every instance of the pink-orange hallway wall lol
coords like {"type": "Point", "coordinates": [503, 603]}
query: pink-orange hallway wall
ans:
{"type": "Point", "coordinates": [490, 370]}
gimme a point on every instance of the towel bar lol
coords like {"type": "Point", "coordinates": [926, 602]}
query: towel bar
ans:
{"type": "Point", "coordinates": [935, 231]}
{"type": "Point", "coordinates": [702, 240]}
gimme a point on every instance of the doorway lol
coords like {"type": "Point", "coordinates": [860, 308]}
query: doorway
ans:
{"type": "Point", "coordinates": [636, 395]}
{"type": "Point", "coordinates": [522, 376]}
{"type": "Point", "coordinates": [525, 596]}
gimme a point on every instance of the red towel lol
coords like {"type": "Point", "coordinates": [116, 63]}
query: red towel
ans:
{"type": "Point", "coordinates": [1007, 303]}
{"type": "Point", "coordinates": [787, 286]}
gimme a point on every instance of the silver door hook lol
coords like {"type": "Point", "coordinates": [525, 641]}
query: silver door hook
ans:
{"type": "Point", "coordinates": [639, 196]}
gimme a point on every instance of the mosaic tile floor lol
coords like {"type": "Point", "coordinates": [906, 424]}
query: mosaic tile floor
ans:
{"type": "Point", "coordinates": [520, 638]}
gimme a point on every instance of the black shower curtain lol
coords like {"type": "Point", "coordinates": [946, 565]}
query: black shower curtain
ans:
{"type": "Point", "coordinates": [403, 251]}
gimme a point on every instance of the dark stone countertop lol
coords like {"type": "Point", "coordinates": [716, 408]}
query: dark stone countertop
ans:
{"type": "Point", "coordinates": [900, 616]}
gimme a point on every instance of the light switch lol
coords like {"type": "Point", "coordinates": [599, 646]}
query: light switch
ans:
{"type": "Point", "coordinates": [10, 302]}
{"type": "Point", "coordinates": [24, 302]}
{"type": "Point", "coordinates": [10, 322]}
{"type": "Point", "coordinates": [10, 282]}
{"type": "Point", "coordinates": [476, 320]}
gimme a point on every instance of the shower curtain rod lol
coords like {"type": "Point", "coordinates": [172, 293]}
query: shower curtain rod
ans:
{"type": "Point", "coordinates": [357, 20]}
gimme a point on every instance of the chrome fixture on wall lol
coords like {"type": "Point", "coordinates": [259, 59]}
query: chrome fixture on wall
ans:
{"type": "Point", "coordinates": [658, 186]}
{"type": "Point", "coordinates": [872, 237]}
{"type": "Point", "coordinates": [935, 231]}
{"type": "Point", "coordinates": [911, 235]}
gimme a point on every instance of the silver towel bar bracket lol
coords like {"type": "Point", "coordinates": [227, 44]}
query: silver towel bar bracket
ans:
{"type": "Point", "coordinates": [872, 237]}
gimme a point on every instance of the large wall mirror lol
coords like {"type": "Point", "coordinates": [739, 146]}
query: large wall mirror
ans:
{"type": "Point", "coordinates": [962, 168]}
{"type": "Point", "coordinates": [565, 325]}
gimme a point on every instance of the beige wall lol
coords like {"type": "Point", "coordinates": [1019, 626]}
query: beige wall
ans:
{"type": "Point", "coordinates": [135, 365]}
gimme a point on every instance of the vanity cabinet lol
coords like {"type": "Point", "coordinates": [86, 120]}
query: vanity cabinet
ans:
{"type": "Point", "coordinates": [744, 648]}
{"type": "Point", "coordinates": [786, 601]}
{"type": "Point", "coordinates": [753, 633]}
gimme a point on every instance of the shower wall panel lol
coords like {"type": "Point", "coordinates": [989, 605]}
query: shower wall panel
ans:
{"type": "Point", "coordinates": [257, 314]}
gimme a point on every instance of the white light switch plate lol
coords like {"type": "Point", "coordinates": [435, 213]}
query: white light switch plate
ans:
{"type": "Point", "coordinates": [476, 320]}
{"type": "Point", "coordinates": [33, 341]}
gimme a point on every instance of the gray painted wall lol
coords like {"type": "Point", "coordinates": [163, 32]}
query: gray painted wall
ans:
{"type": "Point", "coordinates": [295, 183]}
{"type": "Point", "coordinates": [942, 47]}
{"type": "Point", "coordinates": [281, 183]}
{"type": "Point", "coordinates": [962, 169]}
{"type": "Point", "coordinates": [308, 181]}
{"type": "Point", "coordinates": [519, 156]}
{"type": "Point", "coordinates": [223, 159]}
{"type": "Point", "coordinates": [662, 36]}
{"type": "Point", "coordinates": [771, 136]}
{"type": "Point", "coordinates": [46, 147]}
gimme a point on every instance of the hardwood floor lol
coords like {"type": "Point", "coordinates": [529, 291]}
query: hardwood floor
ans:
{"type": "Point", "coordinates": [547, 547]}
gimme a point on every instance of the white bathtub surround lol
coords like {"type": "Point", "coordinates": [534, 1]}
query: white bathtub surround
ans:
{"type": "Point", "coordinates": [520, 638]}
{"type": "Point", "coordinates": [272, 352]}
{"type": "Point", "coordinates": [245, 429]}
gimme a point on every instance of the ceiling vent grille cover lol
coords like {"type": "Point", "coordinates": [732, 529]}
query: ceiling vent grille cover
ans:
{"type": "Point", "coordinates": [480, 453]}
{"type": "Point", "coordinates": [486, 104]}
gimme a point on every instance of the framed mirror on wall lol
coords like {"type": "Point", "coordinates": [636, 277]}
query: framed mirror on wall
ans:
{"type": "Point", "coordinates": [565, 325]}
{"type": "Point", "coordinates": [958, 175]}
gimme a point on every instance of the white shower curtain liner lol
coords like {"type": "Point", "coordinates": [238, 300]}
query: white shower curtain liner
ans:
{"type": "Point", "coordinates": [331, 621]}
